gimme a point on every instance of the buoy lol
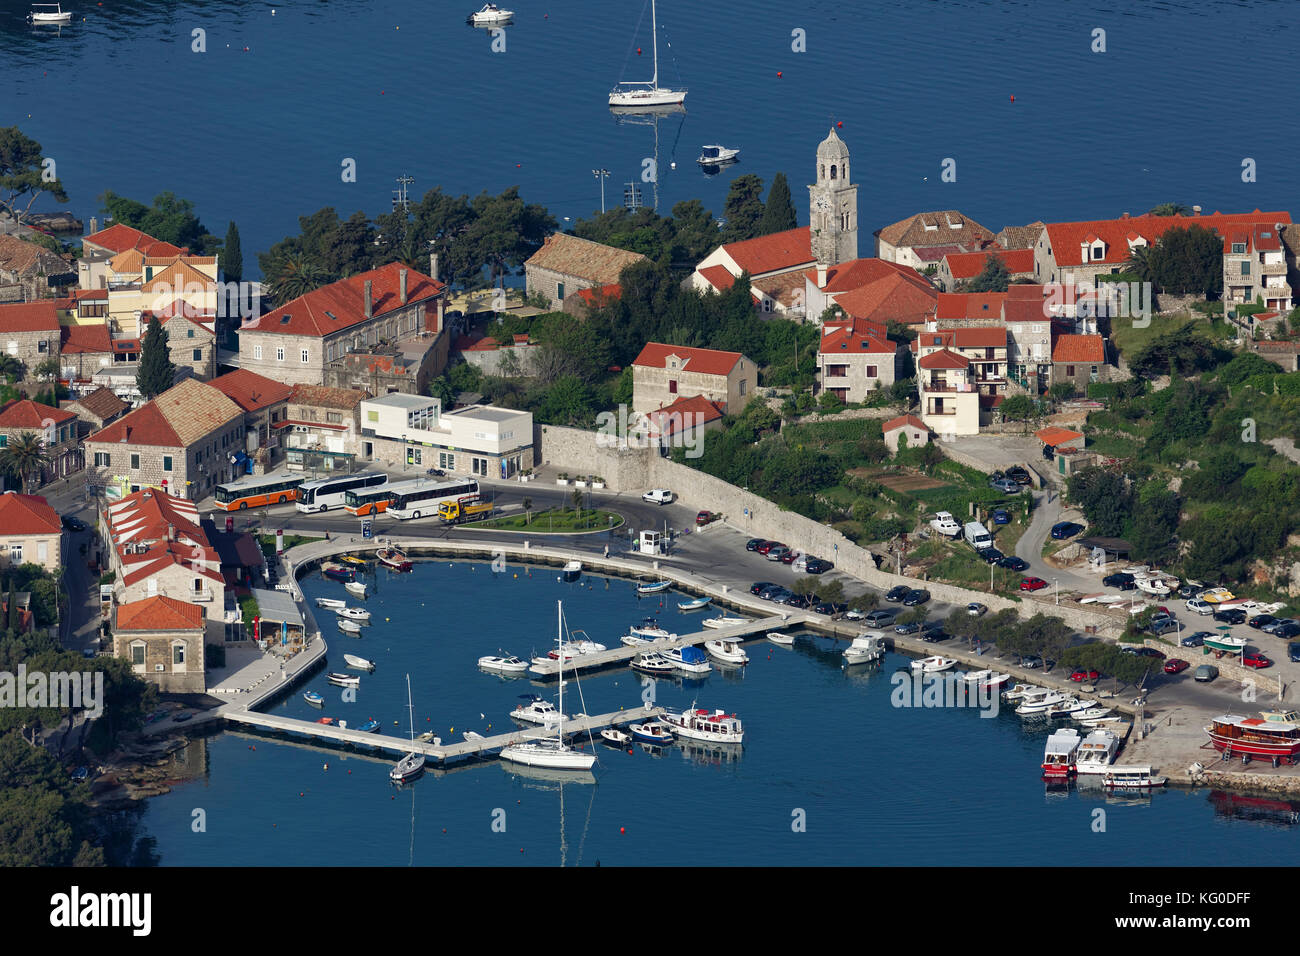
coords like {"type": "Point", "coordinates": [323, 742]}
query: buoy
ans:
{"type": "Point", "coordinates": [622, 830]}
{"type": "Point", "coordinates": [521, 849]}
{"type": "Point", "coordinates": [518, 165]}
{"type": "Point", "coordinates": [300, 793]}
{"type": "Point", "coordinates": [638, 51]}
{"type": "Point", "coordinates": [381, 92]}
{"type": "Point", "coordinates": [672, 165]}
{"type": "Point", "coordinates": [840, 124]}
{"type": "Point", "coordinates": [1013, 97]}
{"type": "Point", "coordinates": [326, 767]}
{"type": "Point", "coordinates": [629, 750]}
{"type": "Point", "coordinates": [515, 575]}
{"type": "Point", "coordinates": [444, 829]}
{"type": "Point", "coordinates": [385, 619]}
{"type": "Point", "coordinates": [349, 771]}
{"type": "Point", "coordinates": [778, 74]}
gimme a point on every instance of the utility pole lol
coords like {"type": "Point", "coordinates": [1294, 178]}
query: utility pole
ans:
{"type": "Point", "coordinates": [400, 201]}
{"type": "Point", "coordinates": [602, 175]}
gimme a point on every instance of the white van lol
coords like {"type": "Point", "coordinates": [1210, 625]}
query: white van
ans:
{"type": "Point", "coordinates": [658, 496]}
{"type": "Point", "coordinates": [978, 535]}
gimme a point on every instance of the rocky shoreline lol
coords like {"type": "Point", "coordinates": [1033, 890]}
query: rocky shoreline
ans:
{"type": "Point", "coordinates": [137, 771]}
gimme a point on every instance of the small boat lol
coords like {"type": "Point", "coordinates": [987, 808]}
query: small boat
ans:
{"type": "Point", "coordinates": [338, 573]}
{"type": "Point", "coordinates": [471, 735]}
{"type": "Point", "coordinates": [776, 637]}
{"type": "Point", "coordinates": [536, 711]}
{"type": "Point", "coordinates": [1060, 752]}
{"type": "Point", "coordinates": [1131, 778]}
{"type": "Point", "coordinates": [1064, 708]}
{"type": "Point", "coordinates": [651, 732]}
{"type": "Point", "coordinates": [653, 587]}
{"type": "Point", "coordinates": [1020, 691]}
{"type": "Point", "coordinates": [1226, 643]}
{"type": "Point", "coordinates": [314, 698]}
{"type": "Point", "coordinates": [358, 588]}
{"type": "Point", "coordinates": [615, 737]}
{"type": "Point", "coordinates": [344, 680]}
{"type": "Point", "coordinates": [572, 649]}
{"type": "Point", "coordinates": [354, 560]}
{"type": "Point", "coordinates": [349, 627]}
{"type": "Point", "coordinates": [645, 632]}
{"type": "Point", "coordinates": [1153, 585]}
{"type": "Point", "coordinates": [353, 613]}
{"type": "Point", "coordinates": [572, 571]}
{"type": "Point", "coordinates": [726, 651]}
{"type": "Point", "coordinates": [933, 665]}
{"type": "Point", "coordinates": [412, 765]}
{"type": "Point", "coordinates": [1088, 714]}
{"type": "Point", "coordinates": [995, 680]}
{"type": "Point", "coordinates": [718, 155]}
{"type": "Point", "coordinates": [1038, 705]}
{"type": "Point", "coordinates": [429, 737]}
{"type": "Point", "coordinates": [652, 663]}
{"type": "Point", "coordinates": [371, 726]}
{"type": "Point", "coordinates": [723, 620]}
{"type": "Point", "coordinates": [393, 559]}
{"type": "Point", "coordinates": [715, 726]}
{"type": "Point", "coordinates": [693, 605]}
{"type": "Point", "coordinates": [48, 13]}
{"type": "Point", "coordinates": [489, 13]}
{"type": "Point", "coordinates": [328, 721]}
{"type": "Point", "coordinates": [688, 659]}
{"type": "Point", "coordinates": [507, 664]}
{"type": "Point", "coordinates": [332, 603]}
{"type": "Point", "coordinates": [868, 646]}
{"type": "Point", "coordinates": [354, 661]}
{"type": "Point", "coordinates": [1097, 752]}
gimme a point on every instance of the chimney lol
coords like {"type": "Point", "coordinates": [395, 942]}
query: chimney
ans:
{"type": "Point", "coordinates": [401, 285]}
{"type": "Point", "coordinates": [369, 301]}
{"type": "Point", "coordinates": [433, 266]}
{"type": "Point", "coordinates": [1196, 210]}
{"type": "Point", "coordinates": [821, 275]}
{"type": "Point", "coordinates": [94, 225]}
{"type": "Point", "coordinates": [1125, 216]}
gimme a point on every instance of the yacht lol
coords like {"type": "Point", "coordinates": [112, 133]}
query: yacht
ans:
{"type": "Point", "coordinates": [869, 646]}
{"type": "Point", "coordinates": [647, 93]}
{"type": "Point", "coordinates": [490, 13]}
{"type": "Point", "coordinates": [718, 156]}
{"type": "Point", "coordinates": [503, 664]}
{"type": "Point", "coordinates": [1038, 704]}
{"type": "Point", "coordinates": [1097, 752]}
{"type": "Point", "coordinates": [536, 711]}
{"type": "Point", "coordinates": [412, 765]}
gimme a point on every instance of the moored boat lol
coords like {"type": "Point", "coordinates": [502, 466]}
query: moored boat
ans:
{"type": "Point", "coordinates": [354, 661]}
{"type": "Point", "coordinates": [648, 628]}
{"type": "Point", "coordinates": [693, 605]}
{"type": "Point", "coordinates": [488, 14]}
{"type": "Point", "coordinates": [572, 571]}
{"type": "Point", "coordinates": [652, 663]}
{"type": "Point", "coordinates": [1019, 691]}
{"type": "Point", "coordinates": [1131, 778]}
{"type": "Point", "coordinates": [1060, 752]}
{"type": "Point", "coordinates": [615, 737]}
{"type": "Point", "coordinates": [1089, 713]}
{"type": "Point", "coordinates": [868, 646]}
{"type": "Point", "coordinates": [779, 637]}
{"type": "Point", "coordinates": [358, 588]}
{"type": "Point", "coordinates": [726, 651]}
{"type": "Point", "coordinates": [312, 697]}
{"type": "Point", "coordinates": [536, 711]}
{"type": "Point", "coordinates": [353, 560]}
{"type": "Point", "coordinates": [371, 726]}
{"type": "Point", "coordinates": [336, 572]}
{"type": "Point", "coordinates": [692, 660]}
{"type": "Point", "coordinates": [715, 155]}
{"type": "Point", "coordinates": [344, 680]}
{"type": "Point", "coordinates": [933, 665]}
{"type": "Point", "coordinates": [48, 13]}
{"type": "Point", "coordinates": [715, 726]}
{"type": "Point", "coordinates": [349, 627]}
{"type": "Point", "coordinates": [393, 559]}
{"type": "Point", "coordinates": [412, 765]}
{"type": "Point", "coordinates": [653, 587]}
{"type": "Point", "coordinates": [724, 620]}
{"type": "Point", "coordinates": [1038, 704]}
{"type": "Point", "coordinates": [1096, 753]}
{"type": "Point", "coordinates": [331, 603]}
{"type": "Point", "coordinates": [651, 732]}
{"type": "Point", "coordinates": [353, 613]}
{"type": "Point", "coordinates": [508, 664]}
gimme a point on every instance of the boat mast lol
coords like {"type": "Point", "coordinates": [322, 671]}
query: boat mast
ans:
{"type": "Point", "coordinates": [654, 27]}
{"type": "Point", "coordinates": [559, 646]}
{"type": "Point", "coordinates": [410, 706]}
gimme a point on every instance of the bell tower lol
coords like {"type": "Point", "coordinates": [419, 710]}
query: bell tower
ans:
{"type": "Point", "coordinates": [833, 205]}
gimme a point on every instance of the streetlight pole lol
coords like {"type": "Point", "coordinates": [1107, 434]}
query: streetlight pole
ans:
{"type": "Point", "coordinates": [602, 175]}
{"type": "Point", "coordinates": [405, 453]}
{"type": "Point", "coordinates": [1056, 587]}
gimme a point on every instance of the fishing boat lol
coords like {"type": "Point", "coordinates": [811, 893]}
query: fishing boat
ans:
{"type": "Point", "coordinates": [869, 646]}
{"type": "Point", "coordinates": [646, 93]}
{"type": "Point", "coordinates": [724, 620]}
{"type": "Point", "coordinates": [726, 651]}
{"type": "Point", "coordinates": [718, 155]}
{"type": "Point", "coordinates": [552, 753]}
{"type": "Point", "coordinates": [535, 710]}
{"type": "Point", "coordinates": [358, 588]}
{"type": "Point", "coordinates": [651, 732]}
{"type": "Point", "coordinates": [777, 637]}
{"type": "Point", "coordinates": [489, 13]}
{"type": "Point", "coordinates": [371, 726]}
{"type": "Point", "coordinates": [507, 664]}
{"type": "Point", "coordinates": [652, 663]}
{"type": "Point", "coordinates": [393, 559]}
{"type": "Point", "coordinates": [353, 613]}
{"type": "Point", "coordinates": [1255, 737]}
{"type": "Point", "coordinates": [337, 572]}
{"type": "Point", "coordinates": [344, 680]}
{"type": "Point", "coordinates": [349, 627]}
{"type": "Point", "coordinates": [653, 587]}
{"type": "Point", "coordinates": [693, 605]}
{"type": "Point", "coordinates": [332, 603]}
{"type": "Point", "coordinates": [1060, 752]}
{"type": "Point", "coordinates": [933, 665]}
{"type": "Point", "coordinates": [688, 659]}
{"type": "Point", "coordinates": [353, 560]}
{"type": "Point", "coordinates": [714, 726]}
{"type": "Point", "coordinates": [361, 662]}
{"type": "Point", "coordinates": [1226, 643]}
{"type": "Point", "coordinates": [615, 737]}
{"type": "Point", "coordinates": [1096, 753]}
{"type": "Point", "coordinates": [314, 698]}
{"type": "Point", "coordinates": [412, 765]}
{"type": "Point", "coordinates": [48, 13]}
{"type": "Point", "coordinates": [1131, 778]}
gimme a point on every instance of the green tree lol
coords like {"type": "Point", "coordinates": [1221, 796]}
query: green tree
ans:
{"type": "Point", "coordinates": [505, 231]}
{"type": "Point", "coordinates": [994, 277]}
{"type": "Point", "coordinates": [779, 212]}
{"type": "Point", "coordinates": [22, 174]}
{"type": "Point", "coordinates": [293, 275]}
{"type": "Point", "coordinates": [1169, 209]}
{"type": "Point", "coordinates": [1104, 498]}
{"type": "Point", "coordinates": [48, 370]}
{"type": "Point", "coordinates": [12, 368]}
{"type": "Point", "coordinates": [1155, 519]}
{"type": "Point", "coordinates": [232, 256]}
{"type": "Point", "coordinates": [1018, 408]}
{"type": "Point", "coordinates": [170, 219]}
{"type": "Point", "coordinates": [528, 510]}
{"type": "Point", "coordinates": [1188, 260]}
{"type": "Point", "coordinates": [743, 209]}
{"type": "Point", "coordinates": [156, 373]}
{"type": "Point", "coordinates": [11, 605]}
{"type": "Point", "coordinates": [25, 458]}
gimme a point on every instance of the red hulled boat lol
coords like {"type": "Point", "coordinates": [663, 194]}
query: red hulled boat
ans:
{"type": "Point", "coordinates": [1255, 736]}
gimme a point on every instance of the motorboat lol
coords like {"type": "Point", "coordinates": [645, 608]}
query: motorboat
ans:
{"type": "Point", "coordinates": [536, 711]}
{"type": "Point", "coordinates": [472, 735]}
{"type": "Point", "coordinates": [652, 663]}
{"type": "Point", "coordinates": [1037, 705]}
{"type": "Point", "coordinates": [724, 620]}
{"type": "Point", "coordinates": [716, 155]}
{"type": "Point", "coordinates": [1019, 691]}
{"type": "Point", "coordinates": [689, 659]}
{"type": "Point", "coordinates": [412, 765]}
{"type": "Point", "coordinates": [48, 13]}
{"type": "Point", "coordinates": [1131, 778]}
{"type": "Point", "coordinates": [354, 661]}
{"type": "Point", "coordinates": [716, 726]}
{"type": "Point", "coordinates": [1097, 752]}
{"type": "Point", "coordinates": [1067, 707]}
{"type": "Point", "coordinates": [344, 680]}
{"type": "Point", "coordinates": [353, 613]}
{"type": "Point", "coordinates": [371, 726]}
{"type": "Point", "coordinates": [1089, 713]}
{"type": "Point", "coordinates": [651, 732]}
{"type": "Point", "coordinates": [328, 721]}
{"type": "Point", "coordinates": [974, 677]}
{"type": "Point", "coordinates": [995, 680]}
{"type": "Point", "coordinates": [353, 560]}
{"type": "Point", "coordinates": [503, 664]}
{"type": "Point", "coordinates": [1060, 753]}
{"type": "Point", "coordinates": [332, 603]}
{"type": "Point", "coordinates": [653, 587]}
{"type": "Point", "coordinates": [933, 665]}
{"type": "Point", "coordinates": [572, 571]}
{"type": "Point", "coordinates": [572, 649]}
{"type": "Point", "coordinates": [650, 628]}
{"type": "Point", "coordinates": [1226, 643]}
{"type": "Point", "coordinates": [615, 737]}
{"type": "Point", "coordinates": [945, 524]}
{"type": "Point", "coordinates": [314, 698]}
{"type": "Point", "coordinates": [693, 605]}
{"type": "Point", "coordinates": [778, 637]}
{"type": "Point", "coordinates": [359, 588]}
{"type": "Point", "coordinates": [869, 646]}
{"type": "Point", "coordinates": [349, 627]}
{"type": "Point", "coordinates": [1154, 585]}
{"type": "Point", "coordinates": [337, 572]}
{"type": "Point", "coordinates": [646, 93]}
{"type": "Point", "coordinates": [726, 651]}
{"type": "Point", "coordinates": [393, 559]}
{"type": "Point", "coordinates": [429, 737]}
{"type": "Point", "coordinates": [1255, 737]}
{"type": "Point", "coordinates": [489, 13]}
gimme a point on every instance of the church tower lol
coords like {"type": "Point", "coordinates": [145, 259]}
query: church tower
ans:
{"type": "Point", "coordinates": [833, 205]}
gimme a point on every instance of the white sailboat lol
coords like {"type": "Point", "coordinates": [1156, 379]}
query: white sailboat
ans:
{"type": "Point", "coordinates": [646, 94]}
{"type": "Point", "coordinates": [412, 765]}
{"type": "Point", "coordinates": [551, 753]}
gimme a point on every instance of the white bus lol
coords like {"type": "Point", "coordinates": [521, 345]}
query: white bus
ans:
{"type": "Point", "coordinates": [423, 500]}
{"type": "Point", "coordinates": [326, 493]}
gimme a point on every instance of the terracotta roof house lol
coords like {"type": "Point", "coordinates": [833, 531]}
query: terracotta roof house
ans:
{"type": "Point", "coordinates": [926, 237]}
{"type": "Point", "coordinates": [1020, 237]}
{"type": "Point", "coordinates": [30, 332]}
{"type": "Point", "coordinates": [28, 271]}
{"type": "Point", "coordinates": [55, 427]}
{"type": "Point", "coordinates": [1079, 360]}
{"type": "Point", "coordinates": [956, 309]}
{"type": "Point", "coordinates": [566, 264]}
{"type": "Point", "coordinates": [908, 426]}
{"type": "Point", "coordinates": [163, 638]}
{"type": "Point", "coordinates": [950, 398]}
{"type": "Point", "coordinates": [103, 245]}
{"type": "Point", "coordinates": [96, 409]}
{"type": "Point", "coordinates": [30, 531]}
{"type": "Point", "coordinates": [322, 427]}
{"type": "Point", "coordinates": [961, 267]}
{"type": "Point", "coordinates": [663, 373]}
{"type": "Point", "coordinates": [775, 263]}
{"type": "Point", "coordinates": [685, 420]}
{"type": "Point", "coordinates": [265, 404]}
{"type": "Point", "coordinates": [1255, 266]}
{"type": "Point", "coordinates": [853, 361]}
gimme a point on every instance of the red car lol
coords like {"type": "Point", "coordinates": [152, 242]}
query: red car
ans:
{"type": "Point", "coordinates": [767, 546]}
{"type": "Point", "coordinates": [1032, 584]}
{"type": "Point", "coordinates": [789, 556]}
{"type": "Point", "coordinates": [704, 517]}
{"type": "Point", "coordinates": [1176, 665]}
{"type": "Point", "coordinates": [1080, 675]}
{"type": "Point", "coordinates": [1255, 659]}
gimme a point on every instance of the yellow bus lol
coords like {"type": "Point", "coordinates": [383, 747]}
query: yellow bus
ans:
{"type": "Point", "coordinates": [257, 492]}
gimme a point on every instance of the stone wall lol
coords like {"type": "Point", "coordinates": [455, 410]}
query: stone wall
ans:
{"type": "Point", "coordinates": [577, 452]}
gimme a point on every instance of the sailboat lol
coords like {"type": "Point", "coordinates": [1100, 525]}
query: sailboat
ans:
{"type": "Point", "coordinates": [551, 753]}
{"type": "Point", "coordinates": [647, 93]}
{"type": "Point", "coordinates": [412, 765]}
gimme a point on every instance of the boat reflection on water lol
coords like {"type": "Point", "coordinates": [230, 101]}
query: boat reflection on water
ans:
{"type": "Point", "coordinates": [533, 777]}
{"type": "Point", "coordinates": [1056, 788]}
{"type": "Point", "coordinates": [732, 673]}
{"type": "Point", "coordinates": [652, 750]}
{"type": "Point", "coordinates": [710, 754]}
{"type": "Point", "coordinates": [1266, 811]}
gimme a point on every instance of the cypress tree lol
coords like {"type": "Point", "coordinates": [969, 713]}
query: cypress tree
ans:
{"type": "Point", "coordinates": [157, 373]}
{"type": "Point", "coordinates": [779, 213]}
{"type": "Point", "coordinates": [232, 258]}
{"type": "Point", "coordinates": [743, 209]}
{"type": "Point", "coordinates": [13, 606]}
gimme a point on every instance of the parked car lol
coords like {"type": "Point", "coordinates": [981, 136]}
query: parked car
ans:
{"type": "Point", "coordinates": [1288, 630]}
{"type": "Point", "coordinates": [1013, 563]}
{"type": "Point", "coordinates": [704, 517]}
{"type": "Point", "coordinates": [767, 546]}
{"type": "Point", "coordinates": [1260, 620]}
{"type": "Point", "coordinates": [832, 608]}
{"type": "Point", "coordinates": [1272, 628]}
{"type": "Point", "coordinates": [1004, 485]}
{"type": "Point", "coordinates": [1293, 651]}
{"type": "Point", "coordinates": [1206, 673]}
{"type": "Point", "coordinates": [787, 558]}
{"type": "Point", "coordinates": [1150, 652]}
{"type": "Point", "coordinates": [1191, 589]}
{"type": "Point", "coordinates": [182, 716]}
{"type": "Point", "coordinates": [934, 636]}
{"type": "Point", "coordinates": [1196, 605]}
{"type": "Point", "coordinates": [1020, 475]}
{"type": "Point", "coordinates": [919, 596]}
{"type": "Point", "coordinates": [1196, 640]}
{"type": "Point", "coordinates": [1125, 582]}
{"type": "Point", "coordinates": [1001, 516]}
{"type": "Point", "coordinates": [1032, 661]}
{"type": "Point", "coordinates": [1162, 625]}
{"type": "Point", "coordinates": [801, 601]}
{"type": "Point", "coordinates": [882, 617]}
{"type": "Point", "coordinates": [1065, 529]}
{"type": "Point", "coordinates": [1176, 665]}
{"type": "Point", "coordinates": [777, 552]}
{"type": "Point", "coordinates": [1032, 584]}
{"type": "Point", "coordinates": [658, 496]}
{"type": "Point", "coordinates": [1233, 615]}
{"type": "Point", "coordinates": [911, 627]}
{"type": "Point", "coordinates": [72, 523]}
{"type": "Point", "coordinates": [758, 587]}
{"type": "Point", "coordinates": [853, 614]}
{"type": "Point", "coordinates": [991, 555]}
{"type": "Point", "coordinates": [767, 592]}
{"type": "Point", "coordinates": [753, 543]}
{"type": "Point", "coordinates": [1255, 659]}
{"type": "Point", "coordinates": [780, 595]}
{"type": "Point", "coordinates": [975, 609]}
{"type": "Point", "coordinates": [897, 593]}
{"type": "Point", "coordinates": [817, 565]}
{"type": "Point", "coordinates": [1079, 675]}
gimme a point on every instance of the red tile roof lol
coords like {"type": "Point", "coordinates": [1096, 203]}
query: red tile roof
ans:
{"type": "Point", "coordinates": [671, 419]}
{"type": "Point", "coordinates": [967, 265]}
{"type": "Point", "coordinates": [981, 337]}
{"type": "Point", "coordinates": [853, 275]}
{"type": "Point", "coordinates": [601, 295]}
{"type": "Point", "coordinates": [159, 613]}
{"type": "Point", "coordinates": [1057, 436]}
{"type": "Point", "coordinates": [846, 341]}
{"type": "Point", "coordinates": [1067, 238]}
{"type": "Point", "coordinates": [144, 426]}
{"type": "Point", "coordinates": [41, 316]}
{"type": "Point", "coordinates": [177, 418]}
{"type": "Point", "coordinates": [27, 514]}
{"type": "Point", "coordinates": [1083, 349]}
{"type": "Point", "coordinates": [958, 306]}
{"type": "Point", "coordinates": [902, 420]}
{"type": "Point", "coordinates": [322, 396]}
{"type": "Point", "coordinates": [24, 413]}
{"type": "Point", "coordinates": [893, 297]}
{"type": "Point", "coordinates": [859, 326]}
{"type": "Point", "coordinates": [719, 277]}
{"type": "Point", "coordinates": [773, 253]}
{"type": "Point", "coordinates": [102, 403]}
{"type": "Point", "coordinates": [79, 294]}
{"type": "Point", "coordinates": [250, 391]}
{"type": "Point", "coordinates": [342, 304]}
{"type": "Point", "coordinates": [705, 361]}
{"type": "Point", "coordinates": [912, 232]}
{"type": "Point", "coordinates": [1258, 237]}
{"type": "Point", "coordinates": [85, 338]}
{"type": "Point", "coordinates": [943, 359]}
{"type": "Point", "coordinates": [119, 237]}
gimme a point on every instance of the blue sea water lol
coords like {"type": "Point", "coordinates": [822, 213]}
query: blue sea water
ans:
{"type": "Point", "coordinates": [830, 772]}
{"type": "Point", "coordinates": [255, 129]}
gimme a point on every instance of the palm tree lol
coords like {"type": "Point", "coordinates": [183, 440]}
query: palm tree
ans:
{"type": "Point", "coordinates": [293, 275]}
{"type": "Point", "coordinates": [1169, 209]}
{"type": "Point", "coordinates": [12, 368]}
{"type": "Point", "coordinates": [1139, 264]}
{"type": "Point", "coordinates": [24, 458]}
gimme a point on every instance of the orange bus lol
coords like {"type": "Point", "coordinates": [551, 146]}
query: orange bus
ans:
{"type": "Point", "coordinates": [375, 501]}
{"type": "Point", "coordinates": [257, 492]}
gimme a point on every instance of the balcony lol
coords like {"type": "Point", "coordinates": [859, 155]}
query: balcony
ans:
{"type": "Point", "coordinates": [1273, 269]}
{"type": "Point", "coordinates": [946, 387]}
{"type": "Point", "coordinates": [941, 411]}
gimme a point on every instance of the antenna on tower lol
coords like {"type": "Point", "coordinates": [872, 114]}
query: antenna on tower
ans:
{"type": "Point", "coordinates": [632, 196]}
{"type": "Point", "coordinates": [400, 200]}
